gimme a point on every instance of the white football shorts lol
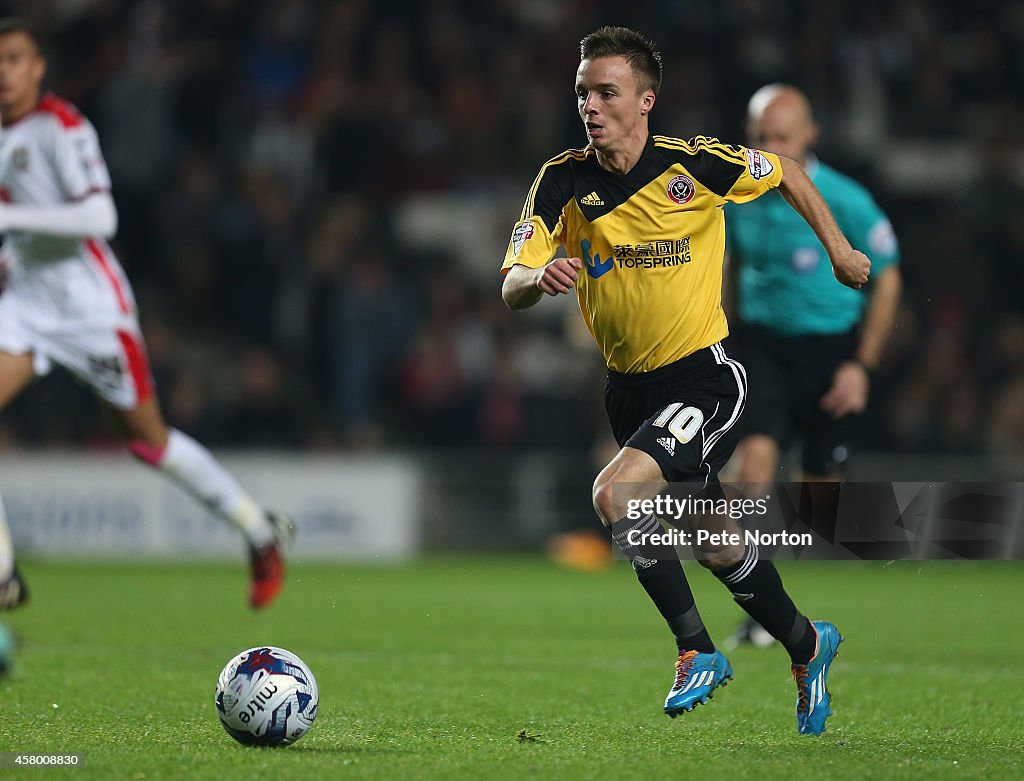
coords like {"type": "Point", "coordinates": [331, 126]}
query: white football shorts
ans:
{"type": "Point", "coordinates": [96, 337]}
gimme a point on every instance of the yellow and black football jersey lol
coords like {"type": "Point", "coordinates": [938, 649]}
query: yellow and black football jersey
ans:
{"type": "Point", "coordinates": [652, 241]}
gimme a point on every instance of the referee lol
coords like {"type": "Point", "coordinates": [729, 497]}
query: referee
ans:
{"type": "Point", "coordinates": [640, 217]}
{"type": "Point", "coordinates": [809, 344]}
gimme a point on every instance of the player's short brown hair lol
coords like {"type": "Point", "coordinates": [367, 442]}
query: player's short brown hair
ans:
{"type": "Point", "coordinates": [643, 58]}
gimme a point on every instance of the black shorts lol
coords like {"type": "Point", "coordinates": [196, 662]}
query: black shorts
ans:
{"type": "Point", "coordinates": [683, 415]}
{"type": "Point", "coordinates": [788, 377]}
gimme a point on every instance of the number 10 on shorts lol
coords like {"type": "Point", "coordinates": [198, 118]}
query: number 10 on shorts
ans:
{"type": "Point", "coordinates": [682, 423]}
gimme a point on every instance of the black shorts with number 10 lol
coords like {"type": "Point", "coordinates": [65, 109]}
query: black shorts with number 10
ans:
{"type": "Point", "coordinates": [683, 415]}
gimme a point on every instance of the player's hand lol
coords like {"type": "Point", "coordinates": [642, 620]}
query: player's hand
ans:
{"type": "Point", "coordinates": [849, 391]}
{"type": "Point", "coordinates": [852, 268]}
{"type": "Point", "coordinates": [559, 276]}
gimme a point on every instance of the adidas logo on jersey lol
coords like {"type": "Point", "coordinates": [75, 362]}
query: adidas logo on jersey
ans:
{"type": "Point", "coordinates": [591, 200]}
{"type": "Point", "coordinates": [669, 444]}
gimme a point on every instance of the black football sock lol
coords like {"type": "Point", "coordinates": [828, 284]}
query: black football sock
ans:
{"type": "Point", "coordinates": [755, 584]}
{"type": "Point", "coordinates": [665, 583]}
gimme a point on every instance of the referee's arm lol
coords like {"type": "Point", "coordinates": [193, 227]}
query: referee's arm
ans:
{"type": "Point", "coordinates": [851, 382]}
{"type": "Point", "coordinates": [880, 317]}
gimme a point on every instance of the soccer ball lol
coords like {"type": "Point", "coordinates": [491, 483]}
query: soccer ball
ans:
{"type": "Point", "coordinates": [267, 697]}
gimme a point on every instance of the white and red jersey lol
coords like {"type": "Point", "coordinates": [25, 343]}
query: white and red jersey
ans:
{"type": "Point", "coordinates": [66, 300]}
{"type": "Point", "coordinates": [47, 158]}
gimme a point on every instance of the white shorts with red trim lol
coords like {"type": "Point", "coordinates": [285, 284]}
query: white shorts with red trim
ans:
{"type": "Point", "coordinates": [80, 316]}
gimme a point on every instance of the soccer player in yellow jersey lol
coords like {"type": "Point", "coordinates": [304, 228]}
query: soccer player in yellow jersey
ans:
{"type": "Point", "coordinates": [641, 219]}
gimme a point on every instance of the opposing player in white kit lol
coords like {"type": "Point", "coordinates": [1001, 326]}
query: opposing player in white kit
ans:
{"type": "Point", "coordinates": [66, 301]}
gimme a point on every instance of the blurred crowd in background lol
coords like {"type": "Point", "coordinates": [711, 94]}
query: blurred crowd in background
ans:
{"type": "Point", "coordinates": [315, 197]}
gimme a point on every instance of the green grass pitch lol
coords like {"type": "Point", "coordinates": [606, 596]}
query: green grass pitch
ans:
{"type": "Point", "coordinates": [508, 667]}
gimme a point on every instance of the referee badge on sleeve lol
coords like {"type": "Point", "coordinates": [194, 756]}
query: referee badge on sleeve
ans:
{"type": "Point", "coordinates": [882, 238]}
{"type": "Point", "coordinates": [522, 234]}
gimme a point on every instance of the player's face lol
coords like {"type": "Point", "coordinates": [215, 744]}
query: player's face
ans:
{"type": "Point", "coordinates": [784, 128]}
{"type": "Point", "coordinates": [611, 103]}
{"type": "Point", "coordinates": [21, 71]}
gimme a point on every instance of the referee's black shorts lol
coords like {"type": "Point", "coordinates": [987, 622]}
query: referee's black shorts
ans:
{"type": "Point", "coordinates": [684, 415]}
{"type": "Point", "coordinates": [789, 375]}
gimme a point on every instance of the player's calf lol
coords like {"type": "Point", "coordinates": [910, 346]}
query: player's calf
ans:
{"type": "Point", "coordinates": [755, 584]}
{"type": "Point", "coordinates": [719, 542]}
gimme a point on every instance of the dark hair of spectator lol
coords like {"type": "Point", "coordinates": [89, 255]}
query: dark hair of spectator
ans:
{"type": "Point", "coordinates": [14, 24]}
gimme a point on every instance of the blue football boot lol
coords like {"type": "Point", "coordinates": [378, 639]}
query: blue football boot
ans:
{"type": "Point", "coordinates": [697, 675]}
{"type": "Point", "coordinates": [813, 701]}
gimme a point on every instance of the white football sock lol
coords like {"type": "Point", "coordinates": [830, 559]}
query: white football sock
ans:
{"type": "Point", "coordinates": [195, 469]}
{"type": "Point", "coordinates": [6, 546]}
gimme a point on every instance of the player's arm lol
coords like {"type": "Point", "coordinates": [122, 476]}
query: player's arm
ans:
{"type": "Point", "coordinates": [739, 175]}
{"type": "Point", "coordinates": [524, 286]}
{"type": "Point", "coordinates": [851, 267]}
{"type": "Point", "coordinates": [72, 154]}
{"type": "Point", "coordinates": [530, 272]}
{"type": "Point", "coordinates": [93, 215]}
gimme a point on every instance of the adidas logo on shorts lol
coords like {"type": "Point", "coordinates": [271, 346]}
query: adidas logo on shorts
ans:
{"type": "Point", "coordinates": [669, 444]}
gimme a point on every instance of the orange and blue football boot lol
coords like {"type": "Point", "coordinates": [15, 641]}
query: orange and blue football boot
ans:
{"type": "Point", "coordinates": [813, 701]}
{"type": "Point", "coordinates": [697, 676]}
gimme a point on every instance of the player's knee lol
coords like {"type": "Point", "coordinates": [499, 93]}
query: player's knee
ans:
{"type": "Point", "coordinates": [604, 501]}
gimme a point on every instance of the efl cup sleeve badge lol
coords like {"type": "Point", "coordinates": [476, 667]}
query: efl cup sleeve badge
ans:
{"type": "Point", "coordinates": [759, 165]}
{"type": "Point", "coordinates": [681, 189]}
{"type": "Point", "coordinates": [521, 235]}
